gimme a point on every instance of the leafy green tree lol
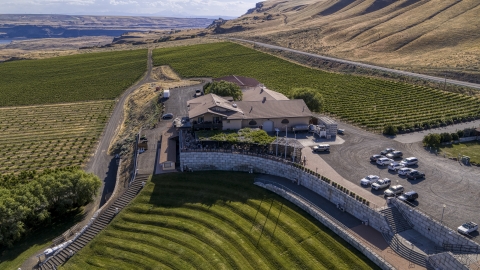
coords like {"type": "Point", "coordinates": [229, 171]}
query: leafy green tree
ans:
{"type": "Point", "coordinates": [432, 140]}
{"type": "Point", "coordinates": [446, 137]}
{"type": "Point", "coordinates": [460, 133]}
{"type": "Point", "coordinates": [390, 129]}
{"type": "Point", "coordinates": [224, 89]}
{"type": "Point", "coordinates": [312, 98]}
{"type": "Point", "coordinates": [455, 136]}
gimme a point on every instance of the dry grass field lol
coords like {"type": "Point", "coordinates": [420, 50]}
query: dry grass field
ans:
{"type": "Point", "coordinates": [430, 36]}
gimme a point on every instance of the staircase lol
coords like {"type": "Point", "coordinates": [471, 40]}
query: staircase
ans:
{"type": "Point", "coordinates": [99, 224]}
{"type": "Point", "coordinates": [395, 220]}
{"type": "Point", "coordinates": [406, 252]}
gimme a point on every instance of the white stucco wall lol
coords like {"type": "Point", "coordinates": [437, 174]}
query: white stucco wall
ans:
{"type": "Point", "coordinates": [277, 123]}
{"type": "Point", "coordinates": [234, 124]}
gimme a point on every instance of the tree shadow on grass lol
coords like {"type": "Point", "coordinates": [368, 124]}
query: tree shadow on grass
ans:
{"type": "Point", "coordinates": [38, 238]}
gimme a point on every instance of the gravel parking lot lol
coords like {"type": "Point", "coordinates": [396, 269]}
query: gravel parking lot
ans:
{"type": "Point", "coordinates": [177, 103]}
{"type": "Point", "coordinates": [447, 182]}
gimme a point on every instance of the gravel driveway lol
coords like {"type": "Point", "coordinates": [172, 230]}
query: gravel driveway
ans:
{"type": "Point", "coordinates": [447, 182]}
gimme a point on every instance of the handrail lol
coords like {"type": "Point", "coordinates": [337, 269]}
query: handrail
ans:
{"type": "Point", "coordinates": [314, 206]}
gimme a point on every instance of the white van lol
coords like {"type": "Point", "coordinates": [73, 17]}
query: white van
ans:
{"type": "Point", "coordinates": [166, 93]}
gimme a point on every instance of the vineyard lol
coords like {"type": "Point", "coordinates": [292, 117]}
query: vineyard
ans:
{"type": "Point", "coordinates": [50, 136]}
{"type": "Point", "coordinates": [83, 77]}
{"type": "Point", "coordinates": [367, 102]}
{"type": "Point", "coordinates": [215, 220]}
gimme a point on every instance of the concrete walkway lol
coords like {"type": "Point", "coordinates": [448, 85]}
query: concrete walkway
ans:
{"type": "Point", "coordinates": [416, 241]}
{"type": "Point", "coordinates": [366, 234]}
{"type": "Point", "coordinates": [317, 164]}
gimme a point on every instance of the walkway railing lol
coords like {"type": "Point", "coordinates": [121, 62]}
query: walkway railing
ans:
{"type": "Point", "coordinates": [314, 206]}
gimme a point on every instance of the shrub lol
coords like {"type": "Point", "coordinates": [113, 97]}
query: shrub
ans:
{"type": "Point", "coordinates": [454, 136]}
{"type": "Point", "coordinates": [432, 140]}
{"type": "Point", "coordinates": [460, 133]}
{"type": "Point", "coordinates": [390, 130]}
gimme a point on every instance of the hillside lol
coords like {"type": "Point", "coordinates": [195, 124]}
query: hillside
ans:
{"type": "Point", "coordinates": [429, 36]}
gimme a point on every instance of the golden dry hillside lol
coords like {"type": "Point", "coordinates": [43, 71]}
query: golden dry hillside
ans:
{"type": "Point", "coordinates": [430, 36]}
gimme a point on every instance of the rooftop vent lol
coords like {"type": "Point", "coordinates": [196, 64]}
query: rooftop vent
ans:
{"type": "Point", "coordinates": [264, 99]}
{"type": "Point", "coordinates": [234, 105]}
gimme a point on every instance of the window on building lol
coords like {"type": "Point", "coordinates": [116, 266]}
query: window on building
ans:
{"type": "Point", "coordinates": [216, 120]}
{"type": "Point", "coordinates": [200, 120]}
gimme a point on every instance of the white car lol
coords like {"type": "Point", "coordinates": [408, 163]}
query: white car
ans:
{"type": "Point", "coordinates": [409, 161]}
{"type": "Point", "coordinates": [382, 183]}
{"type": "Point", "coordinates": [404, 171]}
{"type": "Point", "coordinates": [395, 166]}
{"type": "Point", "coordinates": [384, 161]}
{"type": "Point", "coordinates": [368, 180]}
{"type": "Point", "coordinates": [467, 228]}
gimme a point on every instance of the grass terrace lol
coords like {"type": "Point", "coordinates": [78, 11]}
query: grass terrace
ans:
{"type": "Point", "coordinates": [82, 77]}
{"type": "Point", "coordinates": [215, 220]}
{"type": "Point", "coordinates": [366, 102]}
{"type": "Point", "coordinates": [471, 149]}
{"type": "Point", "coordinates": [50, 136]}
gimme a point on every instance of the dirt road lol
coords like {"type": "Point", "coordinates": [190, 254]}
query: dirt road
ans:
{"type": "Point", "coordinates": [102, 164]}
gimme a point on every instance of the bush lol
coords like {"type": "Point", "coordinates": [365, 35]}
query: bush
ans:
{"type": "Point", "coordinates": [390, 130]}
{"type": "Point", "coordinates": [312, 98]}
{"type": "Point", "coordinates": [432, 140]}
{"type": "Point", "coordinates": [460, 133]}
{"type": "Point", "coordinates": [446, 137]}
{"type": "Point", "coordinates": [454, 136]}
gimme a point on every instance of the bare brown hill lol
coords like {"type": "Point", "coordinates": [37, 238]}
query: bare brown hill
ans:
{"type": "Point", "coordinates": [427, 36]}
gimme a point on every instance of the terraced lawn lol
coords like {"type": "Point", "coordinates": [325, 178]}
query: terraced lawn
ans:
{"type": "Point", "coordinates": [215, 220]}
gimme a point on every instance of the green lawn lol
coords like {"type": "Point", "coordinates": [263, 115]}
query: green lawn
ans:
{"type": "Point", "coordinates": [215, 220]}
{"type": "Point", "coordinates": [471, 149]}
{"type": "Point", "coordinates": [81, 77]}
{"type": "Point", "coordinates": [366, 102]}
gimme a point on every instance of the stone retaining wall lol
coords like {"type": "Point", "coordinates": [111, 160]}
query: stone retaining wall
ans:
{"type": "Point", "coordinates": [238, 162]}
{"type": "Point", "coordinates": [345, 235]}
{"type": "Point", "coordinates": [445, 261]}
{"type": "Point", "coordinates": [431, 228]}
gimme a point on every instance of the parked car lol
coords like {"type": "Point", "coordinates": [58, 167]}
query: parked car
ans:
{"type": "Point", "coordinates": [375, 157]}
{"type": "Point", "coordinates": [167, 116]}
{"type": "Point", "coordinates": [414, 174]}
{"type": "Point", "coordinates": [395, 166]}
{"type": "Point", "coordinates": [321, 148]}
{"type": "Point", "coordinates": [381, 183]}
{"type": "Point", "coordinates": [409, 196]}
{"type": "Point", "coordinates": [404, 171]}
{"type": "Point", "coordinates": [384, 161]}
{"type": "Point", "coordinates": [395, 154]}
{"type": "Point", "coordinates": [368, 180]}
{"type": "Point", "coordinates": [394, 191]}
{"type": "Point", "coordinates": [340, 131]}
{"type": "Point", "coordinates": [386, 151]}
{"type": "Point", "coordinates": [410, 161]}
{"type": "Point", "coordinates": [198, 93]}
{"type": "Point", "coordinates": [467, 228]}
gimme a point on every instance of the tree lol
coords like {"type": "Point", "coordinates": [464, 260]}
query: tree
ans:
{"type": "Point", "coordinates": [446, 137]}
{"type": "Point", "coordinates": [312, 98]}
{"type": "Point", "coordinates": [460, 133]}
{"type": "Point", "coordinates": [390, 129]}
{"type": "Point", "coordinates": [224, 89]}
{"type": "Point", "coordinates": [432, 140]}
{"type": "Point", "coordinates": [454, 136]}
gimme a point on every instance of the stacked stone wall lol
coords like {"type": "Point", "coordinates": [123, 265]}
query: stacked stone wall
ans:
{"type": "Point", "coordinates": [445, 261]}
{"type": "Point", "coordinates": [431, 228]}
{"type": "Point", "coordinates": [237, 162]}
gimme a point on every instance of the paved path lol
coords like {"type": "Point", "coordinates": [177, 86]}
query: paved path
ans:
{"type": "Point", "coordinates": [358, 64]}
{"type": "Point", "coordinates": [102, 164]}
{"type": "Point", "coordinates": [366, 234]}
{"type": "Point", "coordinates": [317, 164]}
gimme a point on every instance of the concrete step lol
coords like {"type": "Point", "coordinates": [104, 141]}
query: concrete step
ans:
{"type": "Point", "coordinates": [407, 253]}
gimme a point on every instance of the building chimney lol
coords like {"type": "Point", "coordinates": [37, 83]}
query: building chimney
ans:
{"type": "Point", "coordinates": [264, 99]}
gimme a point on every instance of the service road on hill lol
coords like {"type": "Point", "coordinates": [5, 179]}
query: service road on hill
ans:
{"type": "Point", "coordinates": [359, 64]}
